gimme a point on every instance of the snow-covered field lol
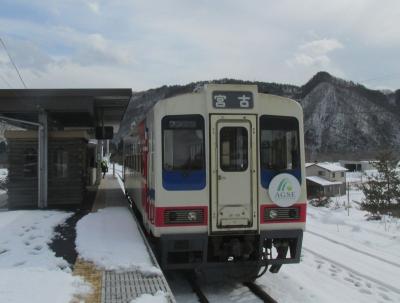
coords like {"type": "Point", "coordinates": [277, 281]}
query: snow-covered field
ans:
{"type": "Point", "coordinates": [29, 270]}
{"type": "Point", "coordinates": [345, 258]}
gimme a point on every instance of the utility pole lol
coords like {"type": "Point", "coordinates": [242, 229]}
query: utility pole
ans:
{"type": "Point", "coordinates": [348, 199]}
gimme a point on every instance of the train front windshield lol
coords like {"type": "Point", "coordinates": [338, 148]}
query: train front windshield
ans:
{"type": "Point", "coordinates": [183, 152]}
{"type": "Point", "coordinates": [280, 147]}
{"type": "Point", "coordinates": [183, 143]}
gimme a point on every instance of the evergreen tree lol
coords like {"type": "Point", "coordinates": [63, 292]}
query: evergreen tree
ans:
{"type": "Point", "coordinates": [382, 190]}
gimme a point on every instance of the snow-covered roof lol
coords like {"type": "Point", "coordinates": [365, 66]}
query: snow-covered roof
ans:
{"type": "Point", "coordinates": [333, 167]}
{"type": "Point", "coordinates": [322, 181]}
{"type": "Point", "coordinates": [309, 164]}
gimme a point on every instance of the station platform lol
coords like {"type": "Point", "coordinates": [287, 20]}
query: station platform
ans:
{"type": "Point", "coordinates": [119, 286]}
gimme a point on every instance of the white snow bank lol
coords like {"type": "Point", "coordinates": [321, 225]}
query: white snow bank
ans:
{"type": "Point", "coordinates": [3, 174]}
{"type": "Point", "coordinates": [24, 236]}
{"type": "Point", "coordinates": [29, 270]}
{"type": "Point", "coordinates": [158, 297]}
{"type": "Point", "coordinates": [39, 285]}
{"type": "Point", "coordinates": [110, 239]}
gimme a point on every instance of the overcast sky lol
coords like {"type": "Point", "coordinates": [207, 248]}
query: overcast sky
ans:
{"type": "Point", "coordinates": [146, 44]}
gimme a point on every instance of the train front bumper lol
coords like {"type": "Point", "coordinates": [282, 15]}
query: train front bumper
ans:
{"type": "Point", "coordinates": [191, 251]}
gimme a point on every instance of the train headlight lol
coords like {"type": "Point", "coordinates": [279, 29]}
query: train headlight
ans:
{"type": "Point", "coordinates": [192, 216]}
{"type": "Point", "coordinates": [281, 214]}
{"type": "Point", "coordinates": [273, 213]}
{"type": "Point", "coordinates": [184, 216]}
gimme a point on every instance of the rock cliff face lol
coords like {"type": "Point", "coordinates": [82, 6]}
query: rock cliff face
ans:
{"type": "Point", "coordinates": [342, 120]}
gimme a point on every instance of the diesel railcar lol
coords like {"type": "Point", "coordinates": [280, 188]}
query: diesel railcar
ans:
{"type": "Point", "coordinates": [217, 177]}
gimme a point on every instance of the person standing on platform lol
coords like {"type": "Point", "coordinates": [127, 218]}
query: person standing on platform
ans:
{"type": "Point", "coordinates": [104, 167]}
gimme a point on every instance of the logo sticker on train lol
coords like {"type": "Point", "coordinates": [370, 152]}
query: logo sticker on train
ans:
{"type": "Point", "coordinates": [284, 190]}
{"type": "Point", "coordinates": [232, 99]}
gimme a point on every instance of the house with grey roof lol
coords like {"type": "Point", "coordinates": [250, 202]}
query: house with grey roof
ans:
{"type": "Point", "coordinates": [325, 179]}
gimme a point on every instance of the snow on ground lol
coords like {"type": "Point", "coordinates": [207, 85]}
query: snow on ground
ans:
{"type": "Point", "coordinates": [3, 174]}
{"type": "Point", "coordinates": [345, 258]}
{"type": "Point", "coordinates": [110, 239]}
{"type": "Point", "coordinates": [29, 270]}
{"type": "Point", "coordinates": [359, 177]}
{"type": "Point", "coordinates": [158, 297]}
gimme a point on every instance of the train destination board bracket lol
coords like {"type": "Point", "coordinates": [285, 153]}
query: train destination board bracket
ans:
{"type": "Point", "coordinates": [232, 99]}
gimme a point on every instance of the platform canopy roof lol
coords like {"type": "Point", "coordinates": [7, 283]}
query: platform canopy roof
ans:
{"type": "Point", "coordinates": [67, 107]}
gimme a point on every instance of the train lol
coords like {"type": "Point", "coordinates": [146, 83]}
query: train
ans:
{"type": "Point", "coordinates": [217, 178]}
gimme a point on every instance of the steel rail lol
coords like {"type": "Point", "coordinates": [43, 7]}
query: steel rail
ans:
{"type": "Point", "coordinates": [259, 292]}
{"type": "Point", "coordinates": [196, 288]}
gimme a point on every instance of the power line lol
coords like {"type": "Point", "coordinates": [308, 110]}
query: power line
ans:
{"type": "Point", "coordinates": [12, 61]}
{"type": "Point", "coordinates": [5, 81]}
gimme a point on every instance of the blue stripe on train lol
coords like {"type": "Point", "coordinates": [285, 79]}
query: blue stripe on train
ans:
{"type": "Point", "coordinates": [267, 175]}
{"type": "Point", "coordinates": [183, 180]}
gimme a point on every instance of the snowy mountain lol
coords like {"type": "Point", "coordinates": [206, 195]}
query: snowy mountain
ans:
{"type": "Point", "coordinates": [347, 120]}
{"type": "Point", "coordinates": [342, 119]}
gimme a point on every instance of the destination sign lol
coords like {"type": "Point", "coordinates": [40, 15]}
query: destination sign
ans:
{"type": "Point", "coordinates": [182, 124]}
{"type": "Point", "coordinates": [230, 99]}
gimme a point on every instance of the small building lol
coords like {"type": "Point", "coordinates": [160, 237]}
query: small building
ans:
{"type": "Point", "coordinates": [70, 158]}
{"type": "Point", "coordinates": [52, 158]}
{"type": "Point", "coordinates": [325, 179]}
{"type": "Point", "coordinates": [357, 166]}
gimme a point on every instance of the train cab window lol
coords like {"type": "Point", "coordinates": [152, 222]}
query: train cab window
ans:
{"type": "Point", "coordinates": [279, 147]}
{"type": "Point", "coordinates": [233, 149]}
{"type": "Point", "coordinates": [183, 152]}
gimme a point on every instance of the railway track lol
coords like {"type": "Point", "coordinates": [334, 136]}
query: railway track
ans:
{"type": "Point", "coordinates": [354, 249]}
{"type": "Point", "coordinates": [253, 287]}
{"type": "Point", "coordinates": [259, 292]}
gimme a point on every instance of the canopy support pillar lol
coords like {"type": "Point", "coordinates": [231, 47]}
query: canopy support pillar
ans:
{"type": "Point", "coordinates": [43, 139]}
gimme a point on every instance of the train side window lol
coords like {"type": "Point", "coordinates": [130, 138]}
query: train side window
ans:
{"type": "Point", "coordinates": [279, 147]}
{"type": "Point", "coordinates": [183, 152]}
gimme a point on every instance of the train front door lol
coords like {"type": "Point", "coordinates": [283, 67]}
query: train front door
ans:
{"type": "Point", "coordinates": [233, 156]}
